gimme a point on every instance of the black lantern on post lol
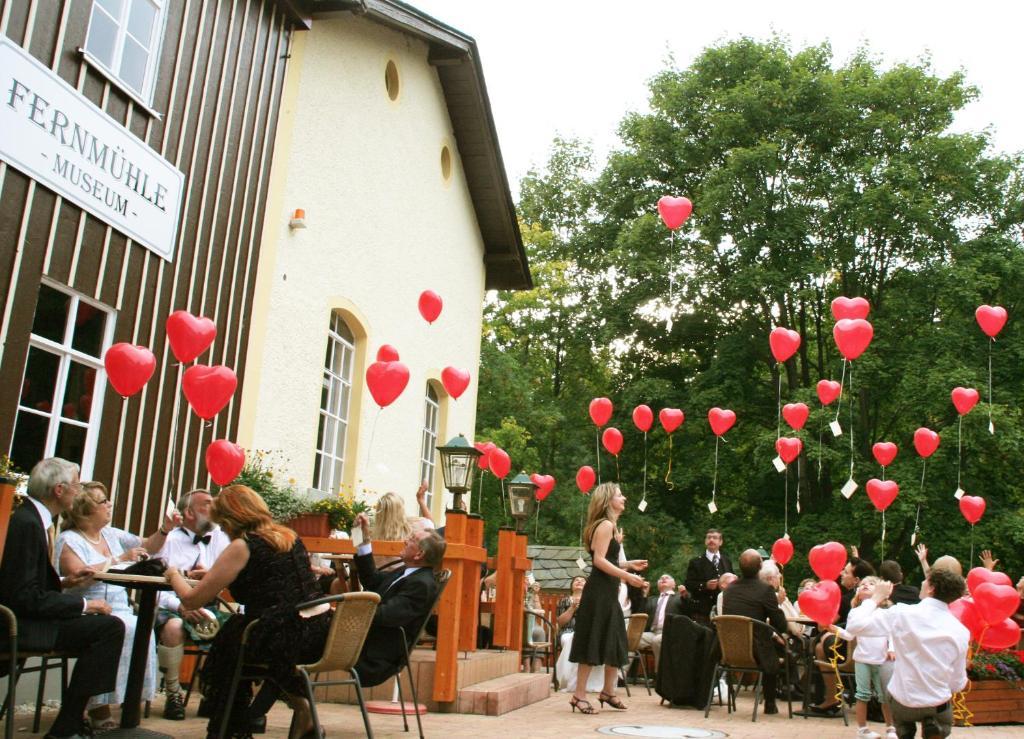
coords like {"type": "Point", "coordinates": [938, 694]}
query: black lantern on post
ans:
{"type": "Point", "coordinates": [521, 492]}
{"type": "Point", "coordinates": [458, 465]}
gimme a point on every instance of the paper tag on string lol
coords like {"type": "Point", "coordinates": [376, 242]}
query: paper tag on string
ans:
{"type": "Point", "coordinates": [958, 494]}
{"type": "Point", "coordinates": [780, 466]}
{"type": "Point", "coordinates": [991, 427]}
{"type": "Point", "coordinates": [798, 506]}
{"type": "Point", "coordinates": [836, 429]}
{"type": "Point", "coordinates": [643, 506]}
{"type": "Point", "coordinates": [913, 539]}
{"type": "Point", "coordinates": [849, 488]}
{"type": "Point", "coordinates": [580, 563]}
{"type": "Point", "coordinates": [712, 507]}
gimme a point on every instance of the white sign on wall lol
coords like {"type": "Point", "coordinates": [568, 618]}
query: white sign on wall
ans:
{"type": "Point", "coordinates": [49, 131]}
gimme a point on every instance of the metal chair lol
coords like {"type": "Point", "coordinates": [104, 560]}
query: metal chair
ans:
{"type": "Point", "coordinates": [634, 632]}
{"type": "Point", "coordinates": [736, 638]}
{"type": "Point", "coordinates": [349, 625]}
{"type": "Point", "coordinates": [544, 649]}
{"type": "Point", "coordinates": [15, 659]}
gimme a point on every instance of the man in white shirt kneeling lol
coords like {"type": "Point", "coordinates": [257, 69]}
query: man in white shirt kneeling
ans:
{"type": "Point", "coordinates": [931, 652]}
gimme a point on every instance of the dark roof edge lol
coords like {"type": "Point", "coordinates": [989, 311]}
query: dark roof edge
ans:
{"type": "Point", "coordinates": [505, 260]}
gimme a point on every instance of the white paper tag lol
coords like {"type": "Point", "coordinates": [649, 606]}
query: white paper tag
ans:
{"type": "Point", "coordinates": [913, 539]}
{"type": "Point", "coordinates": [849, 488]}
{"type": "Point", "coordinates": [580, 563]}
{"type": "Point", "coordinates": [837, 430]}
{"type": "Point", "coordinates": [356, 536]}
{"type": "Point", "coordinates": [798, 506]}
{"type": "Point", "coordinates": [991, 427]}
{"type": "Point", "coordinates": [780, 466]}
{"type": "Point", "coordinates": [712, 507]}
{"type": "Point", "coordinates": [958, 494]}
{"type": "Point", "coordinates": [642, 506]}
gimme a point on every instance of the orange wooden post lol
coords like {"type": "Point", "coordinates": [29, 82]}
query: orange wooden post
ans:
{"type": "Point", "coordinates": [6, 504]}
{"type": "Point", "coordinates": [519, 567]}
{"type": "Point", "coordinates": [449, 611]}
{"type": "Point", "coordinates": [504, 586]}
{"type": "Point", "coordinates": [470, 601]}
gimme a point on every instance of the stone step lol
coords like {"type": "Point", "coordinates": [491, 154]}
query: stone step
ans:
{"type": "Point", "coordinates": [503, 694]}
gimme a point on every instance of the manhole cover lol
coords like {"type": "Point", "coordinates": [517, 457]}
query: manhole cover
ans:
{"type": "Point", "coordinates": [666, 732]}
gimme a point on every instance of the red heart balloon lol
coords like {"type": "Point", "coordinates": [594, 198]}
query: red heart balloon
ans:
{"type": "Point", "coordinates": [224, 460]}
{"type": "Point", "coordinates": [674, 211]}
{"type": "Point", "coordinates": [387, 353]}
{"type": "Point", "coordinates": [585, 478]}
{"type": "Point", "coordinates": [721, 420]}
{"type": "Point", "coordinates": [827, 560]}
{"type": "Point", "coordinates": [926, 441]}
{"type": "Point", "coordinates": [979, 575]}
{"type": "Point", "coordinates": [885, 452]}
{"type": "Point", "coordinates": [484, 447]}
{"type": "Point", "coordinates": [612, 440]}
{"type": "Point", "coordinates": [499, 462]}
{"type": "Point", "coordinates": [545, 484]}
{"type": "Point", "coordinates": [991, 318]}
{"type": "Point", "coordinates": [882, 492]}
{"type": "Point", "coordinates": [964, 399]}
{"type": "Point", "coordinates": [972, 507]}
{"type": "Point", "coordinates": [600, 411]}
{"type": "Point", "coordinates": [189, 335]}
{"type": "Point", "coordinates": [852, 336]}
{"type": "Point", "coordinates": [208, 389]}
{"type": "Point", "coordinates": [430, 305]}
{"type": "Point", "coordinates": [1003, 635]}
{"type": "Point", "coordinates": [455, 381]}
{"type": "Point", "coordinates": [828, 390]}
{"type": "Point", "coordinates": [386, 381]}
{"type": "Point", "coordinates": [795, 414]}
{"type": "Point", "coordinates": [995, 603]}
{"type": "Point", "coordinates": [643, 417]}
{"type": "Point", "coordinates": [128, 367]}
{"type": "Point", "coordinates": [783, 342]}
{"type": "Point", "coordinates": [821, 602]}
{"type": "Point", "coordinates": [782, 550]}
{"type": "Point", "coordinates": [671, 419]}
{"type": "Point", "coordinates": [964, 610]}
{"type": "Point", "coordinates": [788, 448]}
{"type": "Point", "coordinates": [850, 308]}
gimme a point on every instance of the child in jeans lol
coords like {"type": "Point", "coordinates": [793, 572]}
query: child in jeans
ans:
{"type": "Point", "coordinates": [874, 649]}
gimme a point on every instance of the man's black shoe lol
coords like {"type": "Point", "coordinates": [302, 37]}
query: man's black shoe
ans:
{"type": "Point", "coordinates": [770, 708]}
{"type": "Point", "coordinates": [174, 707]}
{"type": "Point", "coordinates": [929, 730]}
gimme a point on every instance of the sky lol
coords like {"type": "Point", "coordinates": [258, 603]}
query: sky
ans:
{"type": "Point", "coordinates": [572, 68]}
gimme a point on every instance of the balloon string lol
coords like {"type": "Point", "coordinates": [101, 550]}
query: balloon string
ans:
{"type": "Point", "coordinates": [799, 474]}
{"type": "Point", "coordinates": [504, 509]}
{"type": "Point", "coordinates": [714, 482]}
{"type": "Point", "coordinates": [668, 472]}
{"type": "Point", "coordinates": [778, 416]}
{"type": "Point", "coordinates": [645, 467]}
{"type": "Point", "coordinates": [785, 518]}
{"type": "Point", "coordinates": [834, 662]}
{"type": "Point", "coordinates": [883, 534]}
{"type": "Point", "coordinates": [959, 452]}
{"type": "Point", "coordinates": [597, 451]}
{"type": "Point", "coordinates": [821, 430]}
{"type": "Point", "coordinates": [174, 440]}
{"type": "Point", "coordinates": [991, 428]}
{"type": "Point", "coordinates": [961, 712]}
{"type": "Point", "coordinates": [917, 516]}
{"type": "Point", "coordinates": [839, 400]}
{"type": "Point", "coordinates": [373, 432]}
{"type": "Point", "coordinates": [618, 477]}
{"type": "Point", "coordinates": [851, 420]}
{"type": "Point", "coordinates": [972, 545]}
{"type": "Point", "coordinates": [536, 526]}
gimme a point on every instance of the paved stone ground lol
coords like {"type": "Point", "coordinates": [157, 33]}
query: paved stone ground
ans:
{"type": "Point", "coordinates": [549, 718]}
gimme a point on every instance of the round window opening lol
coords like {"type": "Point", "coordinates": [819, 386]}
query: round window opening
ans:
{"type": "Point", "coordinates": [391, 79]}
{"type": "Point", "coordinates": [446, 162]}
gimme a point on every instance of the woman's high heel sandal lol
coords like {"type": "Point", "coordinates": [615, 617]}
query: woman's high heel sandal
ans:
{"type": "Point", "coordinates": [583, 705]}
{"type": "Point", "coordinates": [611, 700]}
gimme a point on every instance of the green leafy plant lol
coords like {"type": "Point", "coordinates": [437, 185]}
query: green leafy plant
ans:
{"type": "Point", "coordinates": [1005, 665]}
{"type": "Point", "coordinates": [341, 511]}
{"type": "Point", "coordinates": [283, 500]}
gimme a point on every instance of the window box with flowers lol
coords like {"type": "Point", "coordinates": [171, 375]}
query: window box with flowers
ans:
{"type": "Point", "coordinates": [996, 694]}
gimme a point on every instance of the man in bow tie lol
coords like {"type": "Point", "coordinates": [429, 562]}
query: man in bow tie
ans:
{"type": "Point", "coordinates": [703, 573]}
{"type": "Point", "coordinates": [192, 548]}
{"type": "Point", "coordinates": [406, 597]}
{"type": "Point", "coordinates": [667, 602]}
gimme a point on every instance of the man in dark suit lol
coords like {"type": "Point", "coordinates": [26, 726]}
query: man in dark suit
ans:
{"type": "Point", "coordinates": [48, 618]}
{"type": "Point", "coordinates": [658, 608]}
{"type": "Point", "coordinates": [702, 576]}
{"type": "Point", "coordinates": [901, 592]}
{"type": "Point", "coordinates": [406, 596]}
{"type": "Point", "coordinates": [752, 597]}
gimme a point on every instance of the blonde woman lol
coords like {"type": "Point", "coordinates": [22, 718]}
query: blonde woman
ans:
{"type": "Point", "coordinates": [391, 524]}
{"type": "Point", "coordinates": [600, 631]}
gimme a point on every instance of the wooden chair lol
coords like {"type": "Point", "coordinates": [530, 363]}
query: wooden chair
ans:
{"type": "Point", "coordinates": [16, 659]}
{"type": "Point", "coordinates": [349, 625]}
{"type": "Point", "coordinates": [634, 632]}
{"type": "Point", "coordinates": [736, 638]}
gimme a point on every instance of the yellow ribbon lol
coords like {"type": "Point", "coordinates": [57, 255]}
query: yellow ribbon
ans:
{"type": "Point", "coordinates": [668, 483]}
{"type": "Point", "coordinates": [834, 662]}
{"type": "Point", "coordinates": [961, 712]}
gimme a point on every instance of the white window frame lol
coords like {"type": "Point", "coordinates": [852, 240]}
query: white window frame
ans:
{"type": "Point", "coordinates": [112, 72]}
{"type": "Point", "coordinates": [428, 443]}
{"type": "Point", "coordinates": [326, 451]}
{"type": "Point", "coordinates": [67, 353]}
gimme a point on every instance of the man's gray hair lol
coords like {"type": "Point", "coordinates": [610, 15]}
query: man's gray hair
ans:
{"type": "Point", "coordinates": [186, 500]}
{"type": "Point", "coordinates": [769, 569]}
{"type": "Point", "coordinates": [48, 474]}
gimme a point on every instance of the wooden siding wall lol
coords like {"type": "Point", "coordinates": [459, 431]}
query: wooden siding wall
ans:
{"type": "Point", "coordinates": [218, 89]}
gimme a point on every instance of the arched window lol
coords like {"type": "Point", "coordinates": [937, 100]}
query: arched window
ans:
{"type": "Point", "coordinates": [431, 420]}
{"type": "Point", "coordinates": [335, 399]}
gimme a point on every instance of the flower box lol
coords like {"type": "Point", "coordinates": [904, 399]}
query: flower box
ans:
{"type": "Point", "coordinates": [996, 702]}
{"type": "Point", "coordinates": [311, 524]}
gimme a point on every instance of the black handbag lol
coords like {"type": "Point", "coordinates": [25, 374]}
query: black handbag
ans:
{"type": "Point", "coordinates": [152, 567]}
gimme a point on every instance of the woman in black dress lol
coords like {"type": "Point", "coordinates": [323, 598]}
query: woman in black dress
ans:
{"type": "Point", "coordinates": [267, 568]}
{"type": "Point", "coordinates": [600, 634]}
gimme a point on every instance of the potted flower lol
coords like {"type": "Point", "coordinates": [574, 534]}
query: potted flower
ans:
{"type": "Point", "coordinates": [287, 505]}
{"type": "Point", "coordinates": [341, 510]}
{"type": "Point", "coordinates": [9, 481]}
{"type": "Point", "coordinates": [996, 690]}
